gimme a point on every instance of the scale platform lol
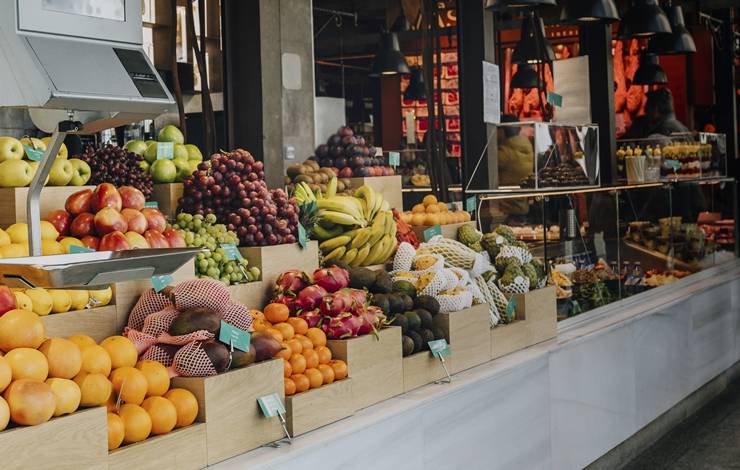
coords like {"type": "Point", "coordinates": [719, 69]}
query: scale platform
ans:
{"type": "Point", "coordinates": [92, 270]}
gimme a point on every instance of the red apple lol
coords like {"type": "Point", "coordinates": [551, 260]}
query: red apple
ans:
{"type": "Point", "coordinates": [136, 240]}
{"type": "Point", "coordinates": [174, 238]}
{"type": "Point", "coordinates": [7, 300]}
{"type": "Point", "coordinates": [131, 197]}
{"type": "Point", "coordinates": [371, 171]}
{"type": "Point", "coordinates": [135, 220]}
{"type": "Point", "coordinates": [109, 220]}
{"type": "Point", "coordinates": [91, 242]}
{"type": "Point", "coordinates": [114, 241]}
{"type": "Point", "coordinates": [61, 220]}
{"type": "Point", "coordinates": [106, 195]}
{"type": "Point", "coordinates": [391, 171]}
{"type": "Point", "coordinates": [345, 172]}
{"type": "Point", "coordinates": [79, 202]}
{"type": "Point", "coordinates": [156, 239]}
{"type": "Point", "coordinates": [82, 225]}
{"type": "Point", "coordinates": [154, 219]}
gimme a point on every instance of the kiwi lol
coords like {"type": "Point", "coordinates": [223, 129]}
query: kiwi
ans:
{"type": "Point", "coordinates": [294, 170]}
{"type": "Point", "coordinates": [195, 319]}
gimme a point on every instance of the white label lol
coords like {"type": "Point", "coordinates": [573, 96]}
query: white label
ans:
{"type": "Point", "coordinates": [491, 93]}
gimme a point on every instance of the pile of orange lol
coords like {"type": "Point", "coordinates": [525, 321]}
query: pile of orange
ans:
{"type": "Point", "coordinates": [307, 361]}
{"type": "Point", "coordinates": [431, 212]}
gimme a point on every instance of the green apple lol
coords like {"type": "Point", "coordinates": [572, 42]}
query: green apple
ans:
{"type": "Point", "coordinates": [136, 146]}
{"type": "Point", "coordinates": [163, 171]}
{"type": "Point", "coordinates": [150, 154]}
{"type": "Point", "coordinates": [193, 166]}
{"type": "Point", "coordinates": [63, 153]}
{"type": "Point", "coordinates": [183, 169]}
{"type": "Point", "coordinates": [61, 172]}
{"type": "Point", "coordinates": [194, 153]}
{"type": "Point", "coordinates": [82, 172]}
{"type": "Point", "coordinates": [144, 165]}
{"type": "Point", "coordinates": [34, 143]}
{"type": "Point", "coordinates": [171, 133]}
{"type": "Point", "coordinates": [15, 174]}
{"type": "Point", "coordinates": [35, 166]}
{"type": "Point", "coordinates": [10, 149]}
{"type": "Point", "coordinates": [180, 152]}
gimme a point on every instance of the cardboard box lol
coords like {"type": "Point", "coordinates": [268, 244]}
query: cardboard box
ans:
{"type": "Point", "coordinates": [535, 322]}
{"type": "Point", "coordinates": [469, 336]}
{"type": "Point", "coordinates": [420, 369]}
{"type": "Point", "coordinates": [389, 186]}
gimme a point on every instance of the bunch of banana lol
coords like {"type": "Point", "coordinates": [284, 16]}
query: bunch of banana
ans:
{"type": "Point", "coordinates": [304, 195]}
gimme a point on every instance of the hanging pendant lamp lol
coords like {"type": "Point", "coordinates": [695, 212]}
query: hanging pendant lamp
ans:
{"type": "Point", "coordinates": [590, 10]}
{"type": "Point", "coordinates": [526, 76]}
{"type": "Point", "coordinates": [533, 47]}
{"type": "Point", "coordinates": [679, 41]}
{"type": "Point", "coordinates": [416, 90]}
{"type": "Point", "coordinates": [503, 4]}
{"type": "Point", "coordinates": [389, 59]}
{"type": "Point", "coordinates": [643, 18]}
{"type": "Point", "coordinates": [650, 72]}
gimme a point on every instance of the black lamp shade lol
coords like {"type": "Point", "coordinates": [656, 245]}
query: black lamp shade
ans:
{"type": "Point", "coordinates": [533, 35]}
{"type": "Point", "coordinates": [650, 72]}
{"type": "Point", "coordinates": [590, 10]}
{"type": "Point", "coordinates": [526, 76]}
{"type": "Point", "coordinates": [643, 18]}
{"type": "Point", "coordinates": [679, 41]}
{"type": "Point", "coordinates": [503, 4]}
{"type": "Point", "coordinates": [416, 89]}
{"type": "Point", "coordinates": [389, 59]}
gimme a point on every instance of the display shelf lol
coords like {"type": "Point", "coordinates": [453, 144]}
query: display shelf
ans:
{"type": "Point", "coordinates": [508, 338]}
{"type": "Point", "coordinates": [448, 230]}
{"type": "Point", "coordinates": [535, 322]}
{"type": "Point", "coordinates": [167, 195]}
{"type": "Point", "coordinates": [468, 333]}
{"type": "Point", "coordinates": [372, 361]}
{"type": "Point", "coordinates": [273, 260]}
{"type": "Point", "coordinates": [181, 449]}
{"type": "Point", "coordinates": [663, 259]}
{"type": "Point", "coordinates": [420, 369]}
{"type": "Point", "coordinates": [387, 186]}
{"type": "Point", "coordinates": [98, 323]}
{"type": "Point", "coordinates": [251, 294]}
{"type": "Point", "coordinates": [13, 202]}
{"type": "Point", "coordinates": [318, 407]}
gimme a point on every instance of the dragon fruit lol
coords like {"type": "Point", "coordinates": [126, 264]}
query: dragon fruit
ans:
{"type": "Point", "coordinates": [291, 282]}
{"type": "Point", "coordinates": [287, 300]}
{"type": "Point", "coordinates": [332, 278]}
{"type": "Point", "coordinates": [372, 319]}
{"type": "Point", "coordinates": [342, 326]}
{"type": "Point", "coordinates": [310, 297]}
{"type": "Point", "coordinates": [359, 299]}
{"type": "Point", "coordinates": [335, 304]}
{"type": "Point", "coordinates": [313, 317]}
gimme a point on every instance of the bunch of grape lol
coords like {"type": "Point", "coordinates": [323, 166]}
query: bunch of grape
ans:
{"type": "Point", "coordinates": [113, 164]}
{"type": "Point", "coordinates": [203, 232]}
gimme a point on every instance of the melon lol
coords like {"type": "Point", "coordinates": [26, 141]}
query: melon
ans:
{"type": "Point", "coordinates": [21, 329]}
{"type": "Point", "coordinates": [30, 402]}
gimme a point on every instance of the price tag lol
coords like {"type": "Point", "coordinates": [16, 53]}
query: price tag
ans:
{"type": "Point", "coordinates": [235, 337]}
{"type": "Point", "coordinates": [151, 204]}
{"type": "Point", "coordinates": [80, 249]}
{"type": "Point", "coordinates": [432, 232]}
{"type": "Point", "coordinates": [511, 308]}
{"type": "Point", "coordinates": [302, 236]}
{"type": "Point", "coordinates": [471, 204]}
{"type": "Point", "coordinates": [554, 99]}
{"type": "Point", "coordinates": [165, 150]}
{"type": "Point", "coordinates": [160, 282]}
{"type": "Point", "coordinates": [271, 405]}
{"type": "Point", "coordinates": [674, 165]}
{"type": "Point", "coordinates": [440, 348]}
{"type": "Point", "coordinates": [231, 251]}
{"type": "Point", "coordinates": [32, 153]}
{"type": "Point", "coordinates": [394, 158]}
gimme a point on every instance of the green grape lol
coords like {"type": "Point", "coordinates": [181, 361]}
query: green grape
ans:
{"type": "Point", "coordinates": [255, 272]}
{"type": "Point", "coordinates": [200, 256]}
{"type": "Point", "coordinates": [213, 272]}
{"type": "Point", "coordinates": [226, 280]}
{"type": "Point", "coordinates": [211, 263]}
{"type": "Point", "coordinates": [182, 224]}
{"type": "Point", "coordinates": [203, 265]}
{"type": "Point", "coordinates": [234, 278]}
{"type": "Point", "coordinates": [211, 218]}
{"type": "Point", "coordinates": [187, 217]}
{"type": "Point", "coordinates": [218, 257]}
{"type": "Point", "coordinates": [229, 269]}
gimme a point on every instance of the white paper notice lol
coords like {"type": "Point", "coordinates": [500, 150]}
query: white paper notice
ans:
{"type": "Point", "coordinates": [491, 93]}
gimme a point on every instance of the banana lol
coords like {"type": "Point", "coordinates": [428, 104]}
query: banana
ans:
{"type": "Point", "coordinates": [367, 194]}
{"type": "Point", "coordinates": [349, 255]}
{"type": "Point", "coordinates": [378, 203]}
{"type": "Point", "coordinates": [335, 242]}
{"type": "Point", "coordinates": [385, 206]}
{"type": "Point", "coordinates": [322, 233]}
{"type": "Point", "coordinates": [391, 248]}
{"type": "Point", "coordinates": [331, 190]}
{"type": "Point", "coordinates": [337, 253]}
{"type": "Point", "coordinates": [375, 252]}
{"type": "Point", "coordinates": [377, 230]}
{"type": "Point", "coordinates": [300, 194]}
{"type": "Point", "coordinates": [349, 206]}
{"type": "Point", "coordinates": [361, 238]}
{"type": "Point", "coordinates": [361, 256]}
{"type": "Point", "coordinates": [340, 218]}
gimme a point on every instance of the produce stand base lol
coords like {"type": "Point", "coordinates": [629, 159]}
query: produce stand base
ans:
{"type": "Point", "coordinates": [505, 339]}
{"type": "Point", "coordinates": [13, 202]}
{"type": "Point", "coordinates": [389, 186]}
{"type": "Point", "coordinates": [181, 449]}
{"type": "Point", "coordinates": [227, 404]}
{"type": "Point", "coordinates": [448, 230]}
{"type": "Point", "coordinates": [539, 310]}
{"type": "Point", "coordinates": [372, 361]}
{"type": "Point", "coordinates": [315, 408]}
{"type": "Point", "coordinates": [468, 333]}
{"type": "Point", "coordinates": [273, 260]}
{"type": "Point", "coordinates": [167, 195]}
{"type": "Point", "coordinates": [420, 369]}
{"type": "Point", "coordinates": [251, 294]}
{"type": "Point", "coordinates": [69, 442]}
{"type": "Point", "coordinates": [98, 323]}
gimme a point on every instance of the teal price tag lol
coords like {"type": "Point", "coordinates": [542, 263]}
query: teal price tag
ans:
{"type": "Point", "coordinates": [471, 204]}
{"type": "Point", "coordinates": [394, 158]}
{"type": "Point", "coordinates": [432, 232]}
{"type": "Point", "coordinates": [234, 337]}
{"type": "Point", "coordinates": [511, 308]}
{"type": "Point", "coordinates": [554, 99]}
{"type": "Point", "coordinates": [160, 282]}
{"type": "Point", "coordinates": [32, 153]}
{"type": "Point", "coordinates": [674, 165]}
{"type": "Point", "coordinates": [271, 405]}
{"type": "Point", "coordinates": [302, 236]}
{"type": "Point", "coordinates": [151, 204]}
{"type": "Point", "coordinates": [165, 150]}
{"type": "Point", "coordinates": [231, 251]}
{"type": "Point", "coordinates": [80, 249]}
{"type": "Point", "coordinates": [440, 348]}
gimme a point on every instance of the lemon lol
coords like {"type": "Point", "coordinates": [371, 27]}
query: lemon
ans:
{"type": "Point", "coordinates": [103, 296]}
{"type": "Point", "coordinates": [62, 301]}
{"type": "Point", "coordinates": [41, 299]}
{"type": "Point", "coordinates": [18, 233]}
{"type": "Point", "coordinates": [4, 238]}
{"type": "Point", "coordinates": [23, 301]}
{"type": "Point", "coordinates": [79, 299]}
{"type": "Point", "coordinates": [48, 231]}
{"type": "Point", "coordinates": [68, 242]}
{"type": "Point", "coordinates": [51, 247]}
{"type": "Point", "coordinates": [14, 250]}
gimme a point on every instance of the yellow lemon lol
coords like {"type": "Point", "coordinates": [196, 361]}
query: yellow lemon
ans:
{"type": "Point", "coordinates": [14, 250]}
{"type": "Point", "coordinates": [79, 299]}
{"type": "Point", "coordinates": [62, 302]}
{"type": "Point", "coordinates": [18, 233]}
{"type": "Point", "coordinates": [23, 301]}
{"type": "Point", "coordinates": [68, 242]}
{"type": "Point", "coordinates": [48, 231]}
{"type": "Point", "coordinates": [102, 297]}
{"type": "Point", "coordinates": [41, 299]}
{"type": "Point", "coordinates": [51, 247]}
{"type": "Point", "coordinates": [4, 238]}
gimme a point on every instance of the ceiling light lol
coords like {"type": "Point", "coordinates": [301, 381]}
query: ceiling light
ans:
{"type": "Point", "coordinates": [416, 90]}
{"type": "Point", "coordinates": [679, 41]}
{"type": "Point", "coordinates": [389, 60]}
{"type": "Point", "coordinates": [533, 47]}
{"type": "Point", "coordinates": [643, 18]}
{"type": "Point", "coordinates": [650, 72]}
{"type": "Point", "coordinates": [590, 10]}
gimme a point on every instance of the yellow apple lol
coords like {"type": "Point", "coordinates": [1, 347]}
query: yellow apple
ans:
{"type": "Point", "coordinates": [62, 301]}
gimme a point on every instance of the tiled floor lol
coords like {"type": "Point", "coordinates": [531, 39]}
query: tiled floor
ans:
{"type": "Point", "coordinates": [708, 440]}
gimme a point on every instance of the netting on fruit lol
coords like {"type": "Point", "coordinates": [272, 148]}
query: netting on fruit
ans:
{"type": "Point", "coordinates": [192, 361]}
{"type": "Point", "coordinates": [455, 303]}
{"type": "Point", "coordinates": [164, 354]}
{"type": "Point", "coordinates": [519, 285]}
{"type": "Point", "coordinates": [238, 315]}
{"type": "Point", "coordinates": [451, 279]}
{"type": "Point", "coordinates": [201, 293]}
{"type": "Point", "coordinates": [142, 341]}
{"type": "Point", "coordinates": [149, 302]}
{"type": "Point", "coordinates": [517, 252]}
{"type": "Point", "coordinates": [482, 287]}
{"type": "Point", "coordinates": [435, 285]}
{"type": "Point", "coordinates": [159, 322]}
{"type": "Point", "coordinates": [181, 340]}
{"type": "Point", "coordinates": [404, 259]}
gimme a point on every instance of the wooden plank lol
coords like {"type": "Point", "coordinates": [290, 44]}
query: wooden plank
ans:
{"type": "Point", "coordinates": [252, 294]}
{"type": "Point", "coordinates": [505, 339]}
{"type": "Point", "coordinates": [181, 449]}
{"type": "Point", "coordinates": [448, 230]}
{"type": "Point", "coordinates": [468, 333]}
{"type": "Point", "coordinates": [273, 260]}
{"type": "Point", "coordinates": [228, 405]}
{"type": "Point", "coordinates": [420, 369]}
{"type": "Point", "coordinates": [75, 441]}
{"type": "Point", "coordinates": [167, 195]}
{"type": "Point", "coordinates": [13, 202]}
{"type": "Point", "coordinates": [389, 186]}
{"type": "Point", "coordinates": [370, 362]}
{"type": "Point", "coordinates": [539, 309]}
{"type": "Point", "coordinates": [318, 407]}
{"type": "Point", "coordinates": [98, 323]}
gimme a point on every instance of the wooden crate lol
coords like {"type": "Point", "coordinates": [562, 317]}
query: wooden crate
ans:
{"type": "Point", "coordinates": [75, 441]}
{"type": "Point", "coordinates": [539, 310]}
{"type": "Point", "coordinates": [420, 369]}
{"type": "Point", "coordinates": [315, 408]}
{"type": "Point", "coordinates": [376, 267]}
{"type": "Point", "coordinates": [448, 230]}
{"type": "Point", "coordinates": [167, 195]}
{"type": "Point", "coordinates": [181, 449]}
{"type": "Point", "coordinates": [468, 333]}
{"type": "Point", "coordinates": [13, 202]}
{"type": "Point", "coordinates": [98, 323]}
{"type": "Point", "coordinates": [505, 339]}
{"type": "Point", "coordinates": [273, 260]}
{"type": "Point", "coordinates": [251, 294]}
{"type": "Point", "coordinates": [389, 186]}
{"type": "Point", "coordinates": [372, 361]}
{"type": "Point", "coordinates": [228, 405]}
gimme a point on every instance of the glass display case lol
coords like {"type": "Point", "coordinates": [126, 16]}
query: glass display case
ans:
{"type": "Point", "coordinates": [601, 245]}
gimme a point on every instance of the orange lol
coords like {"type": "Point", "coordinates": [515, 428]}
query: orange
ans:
{"type": "Point", "coordinates": [315, 377]}
{"type": "Point", "coordinates": [5, 413]}
{"type": "Point", "coordinates": [27, 363]}
{"type": "Point", "coordinates": [162, 413]}
{"type": "Point", "coordinates": [317, 337]}
{"type": "Point", "coordinates": [443, 207]}
{"type": "Point", "coordinates": [431, 219]}
{"type": "Point", "coordinates": [312, 358]}
{"type": "Point", "coordinates": [300, 326]}
{"type": "Point", "coordinates": [285, 329]}
{"type": "Point", "coordinates": [275, 333]}
{"type": "Point", "coordinates": [186, 405]}
{"type": "Point", "coordinates": [257, 315]}
{"type": "Point", "coordinates": [418, 209]}
{"type": "Point", "coordinates": [295, 346]}
{"type": "Point", "coordinates": [301, 382]}
{"type": "Point", "coordinates": [121, 350]}
{"type": "Point", "coordinates": [286, 352]}
{"type": "Point", "coordinates": [324, 354]}
{"type": "Point", "coordinates": [95, 360]}
{"type": "Point", "coordinates": [276, 313]}
{"type": "Point", "coordinates": [298, 363]}
{"type": "Point", "coordinates": [327, 372]}
{"type": "Point", "coordinates": [289, 388]}
{"type": "Point", "coordinates": [116, 431]}
{"type": "Point", "coordinates": [21, 329]}
{"type": "Point", "coordinates": [157, 377]}
{"type": "Point", "coordinates": [340, 369]}
{"type": "Point", "coordinates": [137, 424]}
{"type": "Point", "coordinates": [66, 394]}
{"type": "Point", "coordinates": [6, 374]}
{"type": "Point", "coordinates": [130, 384]}
{"type": "Point", "coordinates": [63, 356]}
{"type": "Point", "coordinates": [287, 368]}
{"type": "Point", "coordinates": [82, 341]}
{"type": "Point", "coordinates": [432, 209]}
{"type": "Point", "coordinates": [30, 402]}
{"type": "Point", "coordinates": [305, 342]}
{"type": "Point", "coordinates": [429, 199]}
{"type": "Point", "coordinates": [110, 405]}
{"type": "Point", "coordinates": [95, 389]}
{"type": "Point", "coordinates": [418, 219]}
{"type": "Point", "coordinates": [260, 325]}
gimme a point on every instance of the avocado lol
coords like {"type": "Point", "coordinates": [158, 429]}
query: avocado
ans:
{"type": "Point", "coordinates": [217, 354]}
{"type": "Point", "coordinates": [402, 321]}
{"type": "Point", "coordinates": [383, 283]}
{"type": "Point", "coordinates": [408, 346]}
{"type": "Point", "coordinates": [439, 333]}
{"type": "Point", "coordinates": [361, 278]}
{"type": "Point", "coordinates": [426, 318]}
{"type": "Point", "coordinates": [414, 321]}
{"type": "Point", "coordinates": [428, 303]}
{"type": "Point", "coordinates": [396, 303]}
{"type": "Point", "coordinates": [243, 359]}
{"type": "Point", "coordinates": [408, 302]}
{"type": "Point", "coordinates": [404, 287]}
{"type": "Point", "coordinates": [418, 342]}
{"type": "Point", "coordinates": [381, 301]}
{"type": "Point", "coordinates": [195, 319]}
{"type": "Point", "coordinates": [426, 336]}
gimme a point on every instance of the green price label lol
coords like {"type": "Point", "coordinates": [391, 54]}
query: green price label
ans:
{"type": "Point", "coordinates": [160, 282]}
{"type": "Point", "coordinates": [32, 153]}
{"type": "Point", "coordinates": [440, 348]}
{"type": "Point", "coordinates": [302, 236]}
{"type": "Point", "coordinates": [271, 405]}
{"type": "Point", "coordinates": [80, 249]}
{"type": "Point", "coordinates": [165, 150]}
{"type": "Point", "coordinates": [511, 308]}
{"type": "Point", "coordinates": [432, 232]}
{"type": "Point", "coordinates": [151, 204]}
{"type": "Point", "coordinates": [233, 336]}
{"type": "Point", "coordinates": [471, 204]}
{"type": "Point", "coordinates": [554, 99]}
{"type": "Point", "coordinates": [231, 251]}
{"type": "Point", "coordinates": [674, 165]}
{"type": "Point", "coordinates": [394, 158]}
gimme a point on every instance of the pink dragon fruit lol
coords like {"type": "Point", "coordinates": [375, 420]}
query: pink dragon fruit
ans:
{"type": "Point", "coordinates": [291, 282]}
{"type": "Point", "coordinates": [313, 317]}
{"type": "Point", "coordinates": [372, 319]}
{"type": "Point", "coordinates": [335, 304]}
{"type": "Point", "coordinates": [359, 299]}
{"type": "Point", "coordinates": [310, 297]}
{"type": "Point", "coordinates": [332, 278]}
{"type": "Point", "coordinates": [343, 326]}
{"type": "Point", "coordinates": [287, 300]}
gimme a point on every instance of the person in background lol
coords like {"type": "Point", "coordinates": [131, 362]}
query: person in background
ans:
{"type": "Point", "coordinates": [515, 162]}
{"type": "Point", "coordinates": [661, 114]}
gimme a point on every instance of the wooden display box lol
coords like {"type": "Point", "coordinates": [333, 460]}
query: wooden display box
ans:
{"type": "Point", "coordinates": [376, 267]}
{"type": "Point", "coordinates": [75, 441]}
{"type": "Point", "coordinates": [98, 323]}
{"type": "Point", "coordinates": [448, 230]}
{"type": "Point", "coordinates": [251, 294]}
{"type": "Point", "coordinates": [374, 365]}
{"type": "Point", "coordinates": [227, 403]}
{"type": "Point", "coordinates": [167, 195]}
{"type": "Point", "coordinates": [13, 202]}
{"type": "Point", "coordinates": [536, 321]}
{"type": "Point", "coordinates": [420, 369]}
{"type": "Point", "coordinates": [315, 408]}
{"type": "Point", "coordinates": [389, 186]}
{"type": "Point", "coordinates": [468, 333]}
{"type": "Point", "coordinates": [505, 339]}
{"type": "Point", "coordinates": [181, 449]}
{"type": "Point", "coordinates": [273, 260]}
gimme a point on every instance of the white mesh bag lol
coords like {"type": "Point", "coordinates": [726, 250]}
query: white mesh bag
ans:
{"type": "Point", "coordinates": [455, 303]}
{"type": "Point", "coordinates": [438, 264]}
{"type": "Point", "coordinates": [520, 285]}
{"type": "Point", "coordinates": [451, 278]}
{"type": "Point", "coordinates": [436, 284]}
{"type": "Point", "coordinates": [463, 277]}
{"type": "Point", "coordinates": [159, 322]}
{"type": "Point", "coordinates": [201, 293]}
{"type": "Point", "coordinates": [480, 285]}
{"type": "Point", "coordinates": [192, 361]}
{"type": "Point", "coordinates": [454, 253]}
{"type": "Point", "coordinates": [404, 259]}
{"type": "Point", "coordinates": [511, 251]}
{"type": "Point", "coordinates": [499, 299]}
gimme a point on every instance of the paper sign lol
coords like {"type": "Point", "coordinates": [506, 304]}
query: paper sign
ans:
{"type": "Point", "coordinates": [394, 158]}
{"type": "Point", "coordinates": [32, 153]}
{"type": "Point", "coordinates": [231, 251]}
{"type": "Point", "coordinates": [160, 282]}
{"type": "Point", "coordinates": [431, 232]}
{"type": "Point", "coordinates": [80, 249]}
{"type": "Point", "coordinates": [152, 204]}
{"type": "Point", "coordinates": [491, 93]}
{"type": "Point", "coordinates": [511, 308]}
{"type": "Point", "coordinates": [440, 348]}
{"type": "Point", "coordinates": [233, 336]}
{"type": "Point", "coordinates": [271, 405]}
{"type": "Point", "coordinates": [471, 204]}
{"type": "Point", "coordinates": [554, 99]}
{"type": "Point", "coordinates": [165, 150]}
{"type": "Point", "coordinates": [302, 237]}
